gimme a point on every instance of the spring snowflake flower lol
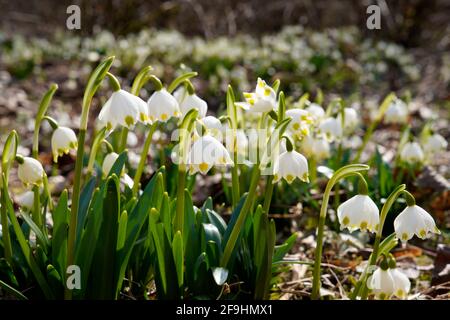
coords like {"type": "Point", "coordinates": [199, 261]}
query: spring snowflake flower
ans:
{"type": "Point", "coordinates": [207, 152]}
{"type": "Point", "coordinates": [264, 99]}
{"type": "Point", "coordinates": [316, 111]}
{"type": "Point", "coordinates": [317, 147]}
{"type": "Point", "coordinates": [351, 118]}
{"type": "Point", "coordinates": [291, 165]}
{"type": "Point", "coordinates": [412, 153]}
{"type": "Point", "coordinates": [124, 109]}
{"type": "Point", "coordinates": [381, 283]}
{"type": "Point", "coordinates": [435, 143]}
{"type": "Point", "coordinates": [414, 220]}
{"type": "Point", "coordinates": [26, 200]}
{"type": "Point", "coordinates": [359, 212]}
{"type": "Point", "coordinates": [30, 171]}
{"type": "Point", "coordinates": [108, 162]}
{"type": "Point", "coordinates": [397, 112]}
{"type": "Point", "coordinates": [300, 123]}
{"type": "Point", "coordinates": [214, 126]}
{"type": "Point", "coordinates": [241, 141]}
{"type": "Point", "coordinates": [162, 106]}
{"type": "Point", "coordinates": [402, 285]}
{"type": "Point", "coordinates": [192, 101]}
{"type": "Point", "coordinates": [63, 140]}
{"type": "Point", "coordinates": [331, 128]}
{"type": "Point", "coordinates": [179, 94]}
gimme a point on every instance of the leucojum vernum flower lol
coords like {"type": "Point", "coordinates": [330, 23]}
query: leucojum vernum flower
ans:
{"type": "Point", "coordinates": [140, 227]}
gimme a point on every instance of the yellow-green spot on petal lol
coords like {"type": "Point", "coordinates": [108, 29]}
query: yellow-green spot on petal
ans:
{"type": "Point", "coordinates": [400, 293]}
{"type": "Point", "coordinates": [275, 177]}
{"type": "Point", "coordinates": [290, 178]}
{"type": "Point", "coordinates": [164, 116]}
{"type": "Point", "coordinates": [109, 126]}
{"type": "Point", "coordinates": [129, 120]}
{"type": "Point", "coordinates": [203, 166]}
{"type": "Point", "coordinates": [382, 296]}
{"type": "Point", "coordinates": [422, 233]}
{"type": "Point", "coordinates": [345, 221]}
{"type": "Point", "coordinates": [296, 126]}
{"type": "Point", "coordinates": [267, 92]}
{"type": "Point", "coordinates": [305, 177]}
{"type": "Point", "coordinates": [363, 225]}
{"type": "Point", "coordinates": [404, 236]}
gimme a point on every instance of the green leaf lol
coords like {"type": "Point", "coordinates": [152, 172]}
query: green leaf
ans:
{"type": "Point", "coordinates": [282, 250]}
{"type": "Point", "coordinates": [26, 250]}
{"type": "Point", "coordinates": [85, 200]}
{"type": "Point", "coordinates": [60, 233]}
{"type": "Point", "coordinates": [102, 279]}
{"type": "Point", "coordinates": [178, 256]}
{"type": "Point", "coordinates": [122, 233]}
{"type": "Point", "coordinates": [14, 292]}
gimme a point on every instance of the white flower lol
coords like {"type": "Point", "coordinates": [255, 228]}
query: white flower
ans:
{"type": "Point", "coordinates": [262, 100]}
{"type": "Point", "coordinates": [291, 165]}
{"type": "Point", "coordinates": [435, 143]}
{"type": "Point", "coordinates": [351, 118]}
{"type": "Point", "coordinates": [63, 140]}
{"type": "Point", "coordinates": [124, 109]}
{"type": "Point", "coordinates": [108, 162]}
{"type": "Point", "coordinates": [26, 200]}
{"type": "Point", "coordinates": [241, 141]}
{"type": "Point", "coordinates": [381, 283]}
{"type": "Point", "coordinates": [205, 153]}
{"type": "Point", "coordinates": [179, 94]}
{"type": "Point", "coordinates": [316, 111]}
{"type": "Point", "coordinates": [192, 101]}
{"type": "Point", "coordinates": [317, 147]}
{"type": "Point", "coordinates": [412, 153]}
{"type": "Point", "coordinates": [359, 212]}
{"type": "Point", "coordinates": [353, 143]}
{"type": "Point", "coordinates": [300, 123]}
{"type": "Point", "coordinates": [214, 126]}
{"type": "Point", "coordinates": [401, 283]}
{"type": "Point", "coordinates": [162, 106]}
{"type": "Point", "coordinates": [397, 112]}
{"type": "Point", "coordinates": [414, 220]}
{"type": "Point", "coordinates": [331, 128]}
{"type": "Point", "coordinates": [30, 171]}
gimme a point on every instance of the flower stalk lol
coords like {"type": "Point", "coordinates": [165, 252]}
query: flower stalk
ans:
{"type": "Point", "coordinates": [342, 173]}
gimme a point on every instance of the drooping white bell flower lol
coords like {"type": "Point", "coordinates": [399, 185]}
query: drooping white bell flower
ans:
{"type": "Point", "coordinates": [300, 123]}
{"type": "Point", "coordinates": [179, 94]}
{"type": "Point", "coordinates": [205, 153]}
{"type": "Point", "coordinates": [351, 118]}
{"type": "Point", "coordinates": [381, 283]}
{"type": "Point", "coordinates": [26, 200]}
{"type": "Point", "coordinates": [397, 112]}
{"type": "Point", "coordinates": [414, 220]}
{"type": "Point", "coordinates": [435, 143]}
{"type": "Point", "coordinates": [63, 140]}
{"type": "Point", "coordinates": [316, 111]}
{"type": "Point", "coordinates": [359, 212]}
{"type": "Point", "coordinates": [162, 106]}
{"type": "Point", "coordinates": [108, 162]}
{"type": "Point", "coordinates": [291, 165]}
{"type": "Point", "coordinates": [122, 108]}
{"type": "Point", "coordinates": [317, 147]}
{"type": "Point", "coordinates": [30, 171]}
{"type": "Point", "coordinates": [402, 285]}
{"type": "Point", "coordinates": [214, 126]}
{"type": "Point", "coordinates": [264, 99]}
{"type": "Point", "coordinates": [412, 153]}
{"type": "Point", "coordinates": [331, 128]}
{"type": "Point", "coordinates": [192, 101]}
{"type": "Point", "coordinates": [241, 141]}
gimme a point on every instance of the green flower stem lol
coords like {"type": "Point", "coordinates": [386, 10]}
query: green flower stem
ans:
{"type": "Point", "coordinates": [338, 175]}
{"type": "Point", "coordinates": [37, 218]}
{"type": "Point", "coordinates": [185, 130]}
{"type": "Point", "coordinates": [269, 192]}
{"type": "Point", "coordinates": [235, 193]}
{"type": "Point", "coordinates": [5, 227]}
{"type": "Point", "coordinates": [43, 106]}
{"type": "Point", "coordinates": [94, 82]}
{"type": "Point", "coordinates": [123, 139]}
{"type": "Point", "coordinates": [361, 285]}
{"type": "Point", "coordinates": [142, 160]}
{"type": "Point", "coordinates": [381, 111]}
{"type": "Point", "coordinates": [48, 193]}
{"type": "Point", "coordinates": [242, 217]}
{"type": "Point", "coordinates": [98, 138]}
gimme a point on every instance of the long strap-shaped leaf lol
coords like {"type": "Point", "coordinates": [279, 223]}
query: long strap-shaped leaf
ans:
{"type": "Point", "coordinates": [27, 252]}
